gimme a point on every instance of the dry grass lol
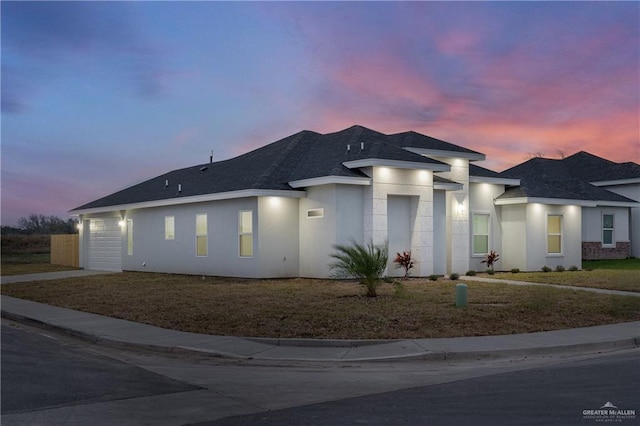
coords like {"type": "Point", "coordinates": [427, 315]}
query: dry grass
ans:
{"type": "Point", "coordinates": [327, 309]}
{"type": "Point", "coordinates": [29, 263]}
{"type": "Point", "coordinates": [625, 280]}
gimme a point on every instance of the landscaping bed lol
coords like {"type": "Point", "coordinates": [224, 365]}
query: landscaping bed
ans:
{"type": "Point", "coordinates": [307, 308]}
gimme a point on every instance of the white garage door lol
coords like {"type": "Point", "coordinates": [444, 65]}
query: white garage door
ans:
{"type": "Point", "coordinates": [105, 245]}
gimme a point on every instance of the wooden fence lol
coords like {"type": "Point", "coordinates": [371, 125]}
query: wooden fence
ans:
{"type": "Point", "coordinates": [65, 250]}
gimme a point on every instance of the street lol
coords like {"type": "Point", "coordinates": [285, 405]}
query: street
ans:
{"type": "Point", "coordinates": [50, 379]}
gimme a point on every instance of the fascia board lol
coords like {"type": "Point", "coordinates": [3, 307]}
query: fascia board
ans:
{"type": "Point", "coordinates": [326, 180]}
{"type": "Point", "coordinates": [195, 199]}
{"type": "Point", "coordinates": [617, 204]}
{"type": "Point", "coordinates": [473, 156]}
{"type": "Point", "coordinates": [551, 201]}
{"type": "Point", "coordinates": [497, 181]}
{"type": "Point", "coordinates": [448, 186]}
{"type": "Point", "coordinates": [395, 164]}
{"type": "Point", "coordinates": [616, 182]}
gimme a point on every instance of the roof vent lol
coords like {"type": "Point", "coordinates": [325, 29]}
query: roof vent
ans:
{"type": "Point", "coordinates": [166, 183]}
{"type": "Point", "coordinates": [348, 148]}
{"type": "Point", "coordinates": [361, 146]}
{"type": "Point", "coordinates": [210, 158]}
{"type": "Point", "coordinates": [202, 169]}
{"type": "Point", "coordinates": [179, 188]}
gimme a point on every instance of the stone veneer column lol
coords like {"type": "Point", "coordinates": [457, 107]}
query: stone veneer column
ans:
{"type": "Point", "coordinates": [417, 184]}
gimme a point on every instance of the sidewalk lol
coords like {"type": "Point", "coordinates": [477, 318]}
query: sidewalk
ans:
{"type": "Point", "coordinates": [50, 276]}
{"type": "Point", "coordinates": [127, 334]}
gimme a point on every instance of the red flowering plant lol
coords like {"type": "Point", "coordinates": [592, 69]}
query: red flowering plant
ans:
{"type": "Point", "coordinates": [404, 261]}
{"type": "Point", "coordinates": [491, 258]}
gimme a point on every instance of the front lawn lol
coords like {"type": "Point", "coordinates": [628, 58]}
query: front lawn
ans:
{"type": "Point", "coordinates": [610, 279]}
{"type": "Point", "coordinates": [308, 308]}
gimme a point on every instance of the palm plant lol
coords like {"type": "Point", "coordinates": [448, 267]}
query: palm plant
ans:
{"type": "Point", "coordinates": [365, 263]}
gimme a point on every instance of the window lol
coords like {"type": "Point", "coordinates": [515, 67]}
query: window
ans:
{"type": "Point", "coordinates": [607, 229]}
{"type": "Point", "coordinates": [169, 228]}
{"type": "Point", "coordinates": [315, 213]}
{"type": "Point", "coordinates": [480, 234]}
{"type": "Point", "coordinates": [201, 235]}
{"type": "Point", "coordinates": [129, 237]}
{"type": "Point", "coordinates": [554, 234]}
{"type": "Point", "coordinates": [245, 232]}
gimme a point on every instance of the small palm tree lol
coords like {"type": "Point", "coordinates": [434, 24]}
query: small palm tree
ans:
{"type": "Point", "coordinates": [366, 264]}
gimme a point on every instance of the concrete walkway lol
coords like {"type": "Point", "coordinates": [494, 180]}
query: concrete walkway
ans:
{"type": "Point", "coordinates": [126, 334]}
{"type": "Point", "coordinates": [566, 287]}
{"type": "Point", "coordinates": [50, 276]}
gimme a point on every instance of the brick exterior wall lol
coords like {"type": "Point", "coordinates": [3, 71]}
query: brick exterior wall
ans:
{"type": "Point", "coordinates": [595, 251]}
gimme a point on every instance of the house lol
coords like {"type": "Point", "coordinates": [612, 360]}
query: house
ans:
{"type": "Point", "coordinates": [583, 195]}
{"type": "Point", "coordinates": [278, 211]}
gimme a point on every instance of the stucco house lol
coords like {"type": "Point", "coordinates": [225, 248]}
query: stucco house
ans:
{"type": "Point", "coordinates": [278, 211]}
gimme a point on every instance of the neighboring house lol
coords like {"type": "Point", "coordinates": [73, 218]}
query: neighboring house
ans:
{"type": "Point", "coordinates": [278, 211]}
{"type": "Point", "coordinates": [585, 198]}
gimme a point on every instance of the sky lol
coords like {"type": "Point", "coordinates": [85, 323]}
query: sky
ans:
{"type": "Point", "coordinates": [97, 96]}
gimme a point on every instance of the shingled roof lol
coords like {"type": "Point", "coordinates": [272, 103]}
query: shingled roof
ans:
{"type": "Point", "coordinates": [569, 178]}
{"type": "Point", "coordinates": [304, 155]}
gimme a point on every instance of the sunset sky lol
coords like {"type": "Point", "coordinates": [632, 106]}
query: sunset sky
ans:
{"type": "Point", "coordinates": [97, 96]}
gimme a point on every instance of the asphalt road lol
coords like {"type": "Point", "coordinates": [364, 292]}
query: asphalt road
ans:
{"type": "Point", "coordinates": [554, 395]}
{"type": "Point", "coordinates": [52, 379]}
{"type": "Point", "coordinates": [41, 371]}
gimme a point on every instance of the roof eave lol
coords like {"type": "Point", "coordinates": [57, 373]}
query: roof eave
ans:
{"type": "Point", "coordinates": [616, 182]}
{"type": "Point", "coordinates": [193, 199]}
{"type": "Point", "coordinates": [326, 180]}
{"type": "Point", "coordinates": [446, 186]}
{"type": "Point", "coordinates": [395, 164]}
{"type": "Point", "coordinates": [472, 156]}
{"type": "Point", "coordinates": [497, 181]}
{"type": "Point", "coordinates": [539, 200]}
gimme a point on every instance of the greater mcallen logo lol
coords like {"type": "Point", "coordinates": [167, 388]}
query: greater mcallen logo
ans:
{"type": "Point", "coordinates": [609, 413]}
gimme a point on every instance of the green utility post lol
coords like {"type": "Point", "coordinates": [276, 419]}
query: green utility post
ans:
{"type": "Point", "coordinates": [461, 295]}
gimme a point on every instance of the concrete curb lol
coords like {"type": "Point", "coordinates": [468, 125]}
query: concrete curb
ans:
{"type": "Point", "coordinates": [423, 355]}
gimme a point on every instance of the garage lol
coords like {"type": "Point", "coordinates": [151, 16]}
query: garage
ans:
{"type": "Point", "coordinates": [104, 245]}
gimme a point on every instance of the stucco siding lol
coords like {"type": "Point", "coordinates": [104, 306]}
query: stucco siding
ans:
{"type": "Point", "coordinates": [514, 237]}
{"type": "Point", "coordinates": [631, 191]}
{"type": "Point", "coordinates": [481, 196]}
{"type": "Point", "coordinates": [571, 246]}
{"type": "Point", "coordinates": [152, 252]}
{"type": "Point", "coordinates": [317, 233]}
{"type": "Point", "coordinates": [278, 240]}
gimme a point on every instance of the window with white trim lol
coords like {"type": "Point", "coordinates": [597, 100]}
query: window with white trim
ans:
{"type": "Point", "coordinates": [554, 234]}
{"type": "Point", "coordinates": [480, 233]}
{"type": "Point", "coordinates": [245, 233]}
{"type": "Point", "coordinates": [129, 237]}
{"type": "Point", "coordinates": [607, 230]}
{"type": "Point", "coordinates": [169, 228]}
{"type": "Point", "coordinates": [201, 235]}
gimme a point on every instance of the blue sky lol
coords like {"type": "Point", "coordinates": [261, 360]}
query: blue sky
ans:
{"type": "Point", "coordinates": [97, 95]}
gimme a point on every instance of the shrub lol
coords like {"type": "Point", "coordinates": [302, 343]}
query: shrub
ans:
{"type": "Point", "coordinates": [545, 268]}
{"type": "Point", "coordinates": [404, 261]}
{"type": "Point", "coordinates": [366, 264]}
{"type": "Point", "coordinates": [433, 277]}
{"type": "Point", "coordinates": [515, 270]}
{"type": "Point", "coordinates": [470, 273]}
{"type": "Point", "coordinates": [491, 271]}
{"type": "Point", "coordinates": [573, 268]}
{"type": "Point", "coordinates": [559, 268]}
{"type": "Point", "coordinates": [492, 257]}
{"type": "Point", "coordinates": [454, 276]}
